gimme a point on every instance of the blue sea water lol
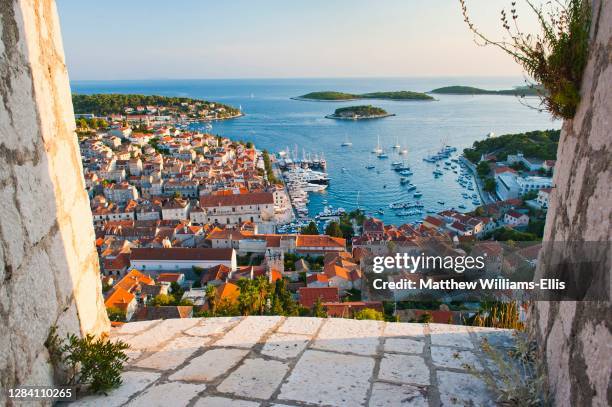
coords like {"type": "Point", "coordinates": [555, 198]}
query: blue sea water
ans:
{"type": "Point", "coordinates": [274, 121]}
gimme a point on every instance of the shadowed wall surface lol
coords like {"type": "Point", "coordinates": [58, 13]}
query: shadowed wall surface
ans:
{"type": "Point", "coordinates": [49, 268]}
{"type": "Point", "coordinates": [575, 337]}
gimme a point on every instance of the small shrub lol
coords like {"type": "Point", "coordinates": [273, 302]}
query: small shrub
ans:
{"type": "Point", "coordinates": [369, 313]}
{"type": "Point", "coordinates": [499, 315]}
{"type": "Point", "coordinates": [518, 378]}
{"type": "Point", "coordinates": [426, 318]}
{"type": "Point", "coordinates": [556, 57]}
{"type": "Point", "coordinates": [93, 362]}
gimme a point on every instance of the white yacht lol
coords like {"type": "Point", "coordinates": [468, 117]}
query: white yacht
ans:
{"type": "Point", "coordinates": [378, 149]}
{"type": "Point", "coordinates": [397, 144]}
{"type": "Point", "coordinates": [346, 143]}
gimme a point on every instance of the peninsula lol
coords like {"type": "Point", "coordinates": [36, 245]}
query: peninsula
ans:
{"type": "Point", "coordinates": [469, 90]}
{"type": "Point", "coordinates": [330, 96]}
{"type": "Point", "coordinates": [161, 108]}
{"type": "Point", "coordinates": [359, 113]}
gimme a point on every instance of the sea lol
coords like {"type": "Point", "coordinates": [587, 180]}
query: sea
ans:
{"type": "Point", "coordinates": [274, 121]}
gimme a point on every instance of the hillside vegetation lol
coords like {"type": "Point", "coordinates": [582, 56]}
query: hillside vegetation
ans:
{"type": "Point", "coordinates": [359, 112]}
{"type": "Point", "coordinates": [541, 144]}
{"type": "Point", "coordinates": [114, 103]}
{"type": "Point", "coordinates": [397, 95]}
{"type": "Point", "coordinates": [469, 90]}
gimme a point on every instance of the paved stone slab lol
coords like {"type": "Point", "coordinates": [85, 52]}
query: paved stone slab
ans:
{"type": "Point", "coordinates": [133, 382]}
{"type": "Point", "coordinates": [329, 378]}
{"type": "Point", "coordinates": [450, 335]}
{"type": "Point", "coordinates": [349, 335]}
{"type": "Point", "coordinates": [212, 401]}
{"type": "Point", "coordinates": [248, 332]}
{"type": "Point", "coordinates": [403, 345]}
{"type": "Point", "coordinates": [173, 354]}
{"type": "Point", "coordinates": [454, 358]}
{"type": "Point", "coordinates": [300, 325]}
{"type": "Point", "coordinates": [135, 327]}
{"type": "Point", "coordinates": [284, 346]}
{"type": "Point", "coordinates": [151, 339]}
{"type": "Point", "coordinates": [256, 378]}
{"type": "Point", "coordinates": [462, 389]}
{"type": "Point", "coordinates": [213, 326]}
{"type": "Point", "coordinates": [168, 394]}
{"type": "Point", "coordinates": [405, 369]}
{"type": "Point", "coordinates": [499, 338]}
{"type": "Point", "coordinates": [210, 365]}
{"type": "Point", "coordinates": [414, 331]}
{"type": "Point", "coordinates": [391, 395]}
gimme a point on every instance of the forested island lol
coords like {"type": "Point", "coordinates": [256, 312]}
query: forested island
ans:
{"type": "Point", "coordinates": [540, 144]}
{"type": "Point", "coordinates": [104, 105]}
{"type": "Point", "coordinates": [359, 113]}
{"type": "Point", "coordinates": [469, 90]}
{"type": "Point", "coordinates": [342, 96]}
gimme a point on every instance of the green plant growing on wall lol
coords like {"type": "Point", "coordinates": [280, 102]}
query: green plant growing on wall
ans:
{"type": "Point", "coordinates": [95, 363]}
{"type": "Point", "coordinates": [556, 57]}
{"type": "Point", "coordinates": [519, 378]}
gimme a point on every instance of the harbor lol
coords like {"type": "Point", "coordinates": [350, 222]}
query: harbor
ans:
{"type": "Point", "coordinates": [306, 180]}
{"type": "Point", "coordinates": [358, 177]}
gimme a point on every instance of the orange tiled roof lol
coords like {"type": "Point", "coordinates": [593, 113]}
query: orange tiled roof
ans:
{"type": "Point", "coordinates": [319, 241]}
{"type": "Point", "coordinates": [133, 278]}
{"type": "Point", "coordinates": [119, 298]}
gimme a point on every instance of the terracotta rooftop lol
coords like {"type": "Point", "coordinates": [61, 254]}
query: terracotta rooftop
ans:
{"type": "Point", "coordinates": [180, 253]}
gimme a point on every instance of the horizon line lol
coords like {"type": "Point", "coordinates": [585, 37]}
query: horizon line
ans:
{"type": "Point", "coordinates": [297, 77]}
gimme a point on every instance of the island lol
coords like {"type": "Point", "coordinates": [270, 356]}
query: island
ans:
{"type": "Point", "coordinates": [359, 113]}
{"type": "Point", "coordinates": [151, 107]}
{"type": "Point", "coordinates": [330, 96]}
{"type": "Point", "coordinates": [469, 90]}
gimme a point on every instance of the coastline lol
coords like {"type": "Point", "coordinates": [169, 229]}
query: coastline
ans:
{"type": "Point", "coordinates": [301, 99]}
{"type": "Point", "coordinates": [381, 116]}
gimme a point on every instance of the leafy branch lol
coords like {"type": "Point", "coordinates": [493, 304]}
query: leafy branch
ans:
{"type": "Point", "coordinates": [554, 58]}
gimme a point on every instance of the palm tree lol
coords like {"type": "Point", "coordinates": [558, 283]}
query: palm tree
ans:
{"type": "Point", "coordinates": [211, 298]}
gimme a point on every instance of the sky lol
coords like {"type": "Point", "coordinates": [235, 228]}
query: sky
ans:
{"type": "Point", "coordinates": [188, 39]}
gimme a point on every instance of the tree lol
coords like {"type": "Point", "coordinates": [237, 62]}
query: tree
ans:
{"type": "Point", "coordinates": [333, 229]}
{"type": "Point", "coordinates": [483, 169]}
{"type": "Point", "coordinates": [115, 314]}
{"type": "Point", "coordinates": [318, 310]}
{"type": "Point", "coordinates": [490, 185]}
{"type": "Point", "coordinates": [163, 299]}
{"type": "Point", "coordinates": [311, 229]}
{"type": "Point", "coordinates": [369, 313]}
{"type": "Point", "coordinates": [211, 298]}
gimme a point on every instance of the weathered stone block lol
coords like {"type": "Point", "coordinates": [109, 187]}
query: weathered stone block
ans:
{"type": "Point", "coordinates": [257, 378]}
{"type": "Point", "coordinates": [329, 378]}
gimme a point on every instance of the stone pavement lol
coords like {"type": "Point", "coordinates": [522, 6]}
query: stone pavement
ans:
{"type": "Point", "coordinates": [277, 361]}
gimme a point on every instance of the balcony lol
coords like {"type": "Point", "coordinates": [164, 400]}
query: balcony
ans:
{"type": "Point", "coordinates": [247, 361]}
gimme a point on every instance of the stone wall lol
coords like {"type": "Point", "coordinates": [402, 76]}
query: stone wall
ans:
{"type": "Point", "coordinates": [575, 337]}
{"type": "Point", "coordinates": [49, 268]}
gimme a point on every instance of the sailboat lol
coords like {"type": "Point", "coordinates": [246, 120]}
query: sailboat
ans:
{"type": "Point", "coordinates": [347, 142]}
{"type": "Point", "coordinates": [378, 149]}
{"type": "Point", "coordinates": [397, 144]}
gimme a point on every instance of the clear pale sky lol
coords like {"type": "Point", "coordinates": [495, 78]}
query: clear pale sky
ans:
{"type": "Point", "coordinates": [136, 39]}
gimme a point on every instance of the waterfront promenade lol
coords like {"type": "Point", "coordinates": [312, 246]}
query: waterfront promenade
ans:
{"type": "Point", "coordinates": [486, 198]}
